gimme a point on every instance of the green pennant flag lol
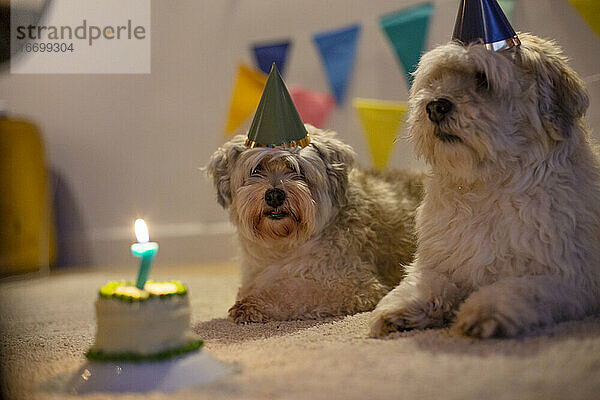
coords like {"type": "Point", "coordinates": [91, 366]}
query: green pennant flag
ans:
{"type": "Point", "coordinates": [508, 7]}
{"type": "Point", "coordinates": [407, 32]}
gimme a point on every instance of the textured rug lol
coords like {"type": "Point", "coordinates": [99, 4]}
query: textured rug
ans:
{"type": "Point", "coordinates": [47, 324]}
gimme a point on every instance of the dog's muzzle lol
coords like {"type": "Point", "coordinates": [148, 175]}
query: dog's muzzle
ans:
{"type": "Point", "coordinates": [438, 109]}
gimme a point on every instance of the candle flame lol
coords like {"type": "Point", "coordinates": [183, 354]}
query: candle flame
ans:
{"type": "Point", "coordinates": [141, 231]}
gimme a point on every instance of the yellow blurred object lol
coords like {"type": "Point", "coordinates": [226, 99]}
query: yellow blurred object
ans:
{"type": "Point", "coordinates": [27, 240]}
{"type": "Point", "coordinates": [247, 91]}
{"type": "Point", "coordinates": [590, 11]}
{"type": "Point", "coordinates": [380, 121]}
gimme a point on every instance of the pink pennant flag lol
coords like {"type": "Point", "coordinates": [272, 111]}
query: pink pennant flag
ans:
{"type": "Point", "coordinates": [313, 107]}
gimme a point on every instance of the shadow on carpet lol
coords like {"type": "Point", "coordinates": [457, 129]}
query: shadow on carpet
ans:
{"type": "Point", "coordinates": [223, 330]}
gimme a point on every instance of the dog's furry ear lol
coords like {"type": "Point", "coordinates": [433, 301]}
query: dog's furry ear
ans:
{"type": "Point", "coordinates": [338, 157]}
{"type": "Point", "coordinates": [561, 94]}
{"type": "Point", "coordinates": [220, 166]}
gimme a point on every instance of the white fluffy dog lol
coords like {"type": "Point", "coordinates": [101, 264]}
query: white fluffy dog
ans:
{"type": "Point", "coordinates": [318, 236]}
{"type": "Point", "coordinates": [509, 228]}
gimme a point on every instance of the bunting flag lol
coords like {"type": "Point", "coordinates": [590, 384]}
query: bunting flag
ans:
{"type": "Point", "coordinates": [267, 54]}
{"type": "Point", "coordinates": [407, 32]}
{"type": "Point", "coordinates": [590, 11]}
{"type": "Point", "coordinates": [313, 107]}
{"type": "Point", "coordinates": [508, 8]}
{"type": "Point", "coordinates": [380, 121]}
{"type": "Point", "coordinates": [337, 49]}
{"type": "Point", "coordinates": [247, 91]}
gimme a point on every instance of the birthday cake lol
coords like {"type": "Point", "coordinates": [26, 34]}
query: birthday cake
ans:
{"type": "Point", "coordinates": [142, 325]}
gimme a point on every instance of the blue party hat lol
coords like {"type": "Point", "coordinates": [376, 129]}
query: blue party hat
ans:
{"type": "Point", "coordinates": [484, 21]}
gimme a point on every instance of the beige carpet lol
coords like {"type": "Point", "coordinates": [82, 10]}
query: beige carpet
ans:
{"type": "Point", "coordinates": [47, 323]}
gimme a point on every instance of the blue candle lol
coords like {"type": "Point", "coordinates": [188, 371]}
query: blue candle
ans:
{"type": "Point", "coordinates": [145, 250]}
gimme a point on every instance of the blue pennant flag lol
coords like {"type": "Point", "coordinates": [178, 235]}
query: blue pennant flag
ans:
{"type": "Point", "coordinates": [268, 54]}
{"type": "Point", "coordinates": [337, 49]}
{"type": "Point", "coordinates": [407, 31]}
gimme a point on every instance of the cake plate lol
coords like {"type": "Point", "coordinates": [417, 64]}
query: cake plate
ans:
{"type": "Point", "coordinates": [181, 372]}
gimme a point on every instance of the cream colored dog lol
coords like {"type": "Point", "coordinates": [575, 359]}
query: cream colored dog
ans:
{"type": "Point", "coordinates": [509, 229]}
{"type": "Point", "coordinates": [318, 236]}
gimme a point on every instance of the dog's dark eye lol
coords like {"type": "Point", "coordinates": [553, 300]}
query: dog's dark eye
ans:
{"type": "Point", "coordinates": [481, 81]}
{"type": "Point", "coordinates": [298, 173]}
{"type": "Point", "coordinates": [256, 170]}
{"type": "Point", "coordinates": [301, 174]}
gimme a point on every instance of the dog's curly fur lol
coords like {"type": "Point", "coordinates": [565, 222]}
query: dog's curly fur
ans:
{"type": "Point", "coordinates": [509, 228]}
{"type": "Point", "coordinates": [335, 246]}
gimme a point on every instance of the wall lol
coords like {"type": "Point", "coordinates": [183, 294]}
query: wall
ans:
{"type": "Point", "coordinates": [127, 146]}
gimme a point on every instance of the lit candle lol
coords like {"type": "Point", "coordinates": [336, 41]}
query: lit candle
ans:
{"type": "Point", "coordinates": [144, 249]}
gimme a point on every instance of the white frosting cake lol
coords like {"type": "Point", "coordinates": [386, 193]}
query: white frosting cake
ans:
{"type": "Point", "coordinates": [153, 323]}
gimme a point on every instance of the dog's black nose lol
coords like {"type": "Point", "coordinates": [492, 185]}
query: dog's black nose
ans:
{"type": "Point", "coordinates": [274, 197]}
{"type": "Point", "coordinates": [438, 109]}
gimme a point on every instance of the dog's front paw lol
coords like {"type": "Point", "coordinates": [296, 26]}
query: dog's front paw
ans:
{"type": "Point", "coordinates": [389, 318]}
{"type": "Point", "coordinates": [483, 321]}
{"type": "Point", "coordinates": [385, 322]}
{"type": "Point", "coordinates": [247, 310]}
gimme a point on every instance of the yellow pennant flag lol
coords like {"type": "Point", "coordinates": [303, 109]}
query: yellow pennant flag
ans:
{"type": "Point", "coordinates": [380, 121]}
{"type": "Point", "coordinates": [248, 88]}
{"type": "Point", "coordinates": [590, 11]}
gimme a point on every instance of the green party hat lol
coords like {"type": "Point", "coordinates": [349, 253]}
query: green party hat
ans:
{"type": "Point", "coordinates": [276, 122]}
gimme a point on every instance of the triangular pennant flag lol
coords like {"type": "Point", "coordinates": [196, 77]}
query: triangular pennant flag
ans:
{"type": "Point", "coordinates": [313, 107]}
{"type": "Point", "coordinates": [380, 121]}
{"type": "Point", "coordinates": [407, 31]}
{"type": "Point", "coordinates": [508, 6]}
{"type": "Point", "coordinates": [337, 49]}
{"type": "Point", "coordinates": [267, 54]}
{"type": "Point", "coordinates": [248, 88]}
{"type": "Point", "coordinates": [590, 11]}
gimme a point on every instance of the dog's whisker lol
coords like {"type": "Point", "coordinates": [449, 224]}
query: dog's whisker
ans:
{"type": "Point", "coordinates": [295, 216]}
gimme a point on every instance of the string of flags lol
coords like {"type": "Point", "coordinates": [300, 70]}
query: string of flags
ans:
{"type": "Point", "coordinates": [406, 31]}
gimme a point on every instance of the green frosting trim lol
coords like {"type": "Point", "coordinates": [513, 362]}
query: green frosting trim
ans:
{"type": "Point", "coordinates": [108, 290]}
{"type": "Point", "coordinates": [99, 355]}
